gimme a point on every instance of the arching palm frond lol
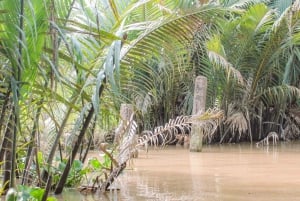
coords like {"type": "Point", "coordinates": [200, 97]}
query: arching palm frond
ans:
{"type": "Point", "coordinates": [282, 95]}
{"type": "Point", "coordinates": [157, 63]}
{"type": "Point", "coordinates": [22, 38]}
{"type": "Point", "coordinates": [280, 5]}
{"type": "Point", "coordinates": [259, 47]}
{"type": "Point", "coordinates": [241, 4]}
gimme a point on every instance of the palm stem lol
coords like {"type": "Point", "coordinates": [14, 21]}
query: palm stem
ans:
{"type": "Point", "coordinates": [83, 130]}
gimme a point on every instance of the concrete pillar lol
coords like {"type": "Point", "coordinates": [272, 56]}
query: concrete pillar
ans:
{"type": "Point", "coordinates": [198, 107]}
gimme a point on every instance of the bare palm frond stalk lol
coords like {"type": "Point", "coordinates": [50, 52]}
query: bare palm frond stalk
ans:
{"type": "Point", "coordinates": [181, 125]}
{"type": "Point", "coordinates": [126, 141]}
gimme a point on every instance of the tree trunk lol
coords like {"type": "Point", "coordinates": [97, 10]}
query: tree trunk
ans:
{"type": "Point", "coordinates": [3, 111]}
{"type": "Point", "coordinates": [55, 144]}
{"type": "Point", "coordinates": [198, 108]}
{"type": "Point", "coordinates": [114, 174]}
{"type": "Point", "coordinates": [66, 171]}
{"type": "Point", "coordinates": [85, 126]}
{"type": "Point", "coordinates": [84, 154]}
{"type": "Point", "coordinates": [32, 142]}
{"type": "Point", "coordinates": [8, 155]}
{"type": "Point", "coordinates": [47, 189]}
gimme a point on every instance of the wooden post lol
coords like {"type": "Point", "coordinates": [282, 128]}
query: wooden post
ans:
{"type": "Point", "coordinates": [198, 107]}
{"type": "Point", "coordinates": [126, 111]}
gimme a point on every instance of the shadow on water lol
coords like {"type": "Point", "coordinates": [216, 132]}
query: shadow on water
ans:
{"type": "Point", "coordinates": [220, 173]}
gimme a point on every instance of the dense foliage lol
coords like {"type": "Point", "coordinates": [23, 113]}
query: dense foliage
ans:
{"type": "Point", "coordinates": [67, 65]}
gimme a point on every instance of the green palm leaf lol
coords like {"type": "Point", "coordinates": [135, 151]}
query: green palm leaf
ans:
{"type": "Point", "coordinates": [161, 55]}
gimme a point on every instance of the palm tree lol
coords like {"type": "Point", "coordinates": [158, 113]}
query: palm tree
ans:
{"type": "Point", "coordinates": [253, 57]}
{"type": "Point", "coordinates": [111, 59]}
{"type": "Point", "coordinates": [128, 27]}
{"type": "Point", "coordinates": [67, 69]}
{"type": "Point", "coordinates": [33, 53]}
{"type": "Point", "coordinates": [20, 51]}
{"type": "Point", "coordinates": [158, 73]}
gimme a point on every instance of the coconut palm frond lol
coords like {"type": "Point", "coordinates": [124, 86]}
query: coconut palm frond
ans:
{"type": "Point", "coordinates": [183, 28]}
{"type": "Point", "coordinates": [221, 61]}
{"type": "Point", "coordinates": [156, 64]}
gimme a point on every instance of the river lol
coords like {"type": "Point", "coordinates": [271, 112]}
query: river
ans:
{"type": "Point", "coordinates": [231, 172]}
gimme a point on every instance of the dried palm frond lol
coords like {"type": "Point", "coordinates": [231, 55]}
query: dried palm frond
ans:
{"type": "Point", "coordinates": [292, 130]}
{"type": "Point", "coordinates": [125, 142]}
{"type": "Point", "coordinates": [210, 114]}
{"type": "Point", "coordinates": [166, 134]}
{"type": "Point", "coordinates": [272, 135]}
{"type": "Point", "coordinates": [237, 122]}
{"type": "Point", "coordinates": [181, 125]}
{"type": "Point", "coordinates": [208, 122]}
{"type": "Point", "coordinates": [128, 142]}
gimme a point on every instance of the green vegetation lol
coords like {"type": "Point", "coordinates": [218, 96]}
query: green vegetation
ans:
{"type": "Point", "coordinates": [67, 65]}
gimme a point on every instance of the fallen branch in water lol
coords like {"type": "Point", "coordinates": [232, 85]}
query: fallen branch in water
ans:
{"type": "Point", "coordinates": [114, 174]}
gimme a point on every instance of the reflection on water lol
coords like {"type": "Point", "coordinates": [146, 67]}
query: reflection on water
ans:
{"type": "Point", "coordinates": [219, 173]}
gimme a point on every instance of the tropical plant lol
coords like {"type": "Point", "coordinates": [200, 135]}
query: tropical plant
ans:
{"type": "Point", "coordinates": [27, 193]}
{"type": "Point", "coordinates": [158, 73]}
{"type": "Point", "coordinates": [56, 67]}
{"type": "Point", "coordinates": [21, 47]}
{"type": "Point", "coordinates": [66, 66]}
{"type": "Point", "coordinates": [251, 68]}
{"type": "Point", "coordinates": [38, 54]}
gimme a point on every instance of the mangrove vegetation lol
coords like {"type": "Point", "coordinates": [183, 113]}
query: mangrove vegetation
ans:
{"type": "Point", "coordinates": [67, 66]}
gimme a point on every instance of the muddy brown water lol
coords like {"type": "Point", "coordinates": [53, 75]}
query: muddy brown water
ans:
{"type": "Point", "coordinates": [236, 172]}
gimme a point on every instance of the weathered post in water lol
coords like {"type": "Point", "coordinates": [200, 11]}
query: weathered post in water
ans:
{"type": "Point", "coordinates": [198, 107]}
{"type": "Point", "coordinates": [126, 111]}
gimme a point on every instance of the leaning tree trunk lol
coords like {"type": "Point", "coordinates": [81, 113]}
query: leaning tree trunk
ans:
{"type": "Point", "coordinates": [55, 47]}
{"type": "Point", "coordinates": [32, 142]}
{"type": "Point", "coordinates": [66, 171]}
{"type": "Point", "coordinates": [83, 130]}
{"type": "Point", "coordinates": [16, 88]}
{"type": "Point", "coordinates": [198, 107]}
{"type": "Point", "coordinates": [8, 155]}
{"type": "Point", "coordinates": [3, 114]}
{"type": "Point", "coordinates": [84, 152]}
{"type": "Point", "coordinates": [3, 110]}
